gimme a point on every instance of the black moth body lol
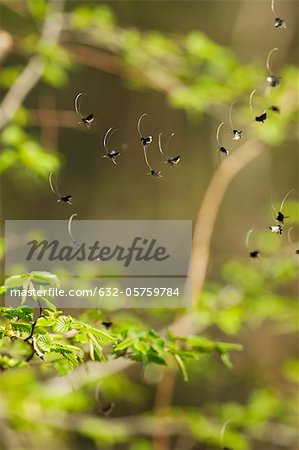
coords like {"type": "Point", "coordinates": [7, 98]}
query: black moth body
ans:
{"type": "Point", "coordinates": [254, 254]}
{"type": "Point", "coordinates": [237, 135]}
{"type": "Point", "coordinates": [273, 80]}
{"type": "Point", "coordinates": [155, 173]}
{"type": "Point", "coordinates": [223, 150]}
{"type": "Point", "coordinates": [107, 324]}
{"type": "Point", "coordinates": [173, 161]}
{"type": "Point", "coordinates": [112, 155]}
{"type": "Point", "coordinates": [280, 217]}
{"type": "Point", "coordinates": [146, 140]}
{"type": "Point", "coordinates": [65, 199]}
{"type": "Point", "coordinates": [275, 108]}
{"type": "Point", "coordinates": [279, 23]}
{"type": "Point", "coordinates": [87, 120]}
{"type": "Point", "coordinates": [261, 118]}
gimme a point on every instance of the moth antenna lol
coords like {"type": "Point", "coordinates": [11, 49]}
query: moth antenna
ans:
{"type": "Point", "coordinates": [230, 113]}
{"type": "Point", "coordinates": [145, 157]}
{"type": "Point", "coordinates": [285, 197]}
{"type": "Point", "coordinates": [272, 204]}
{"type": "Point", "coordinates": [248, 237]}
{"type": "Point", "coordinates": [77, 105]}
{"type": "Point", "coordinates": [107, 137]}
{"type": "Point", "coordinates": [51, 184]}
{"type": "Point", "coordinates": [251, 98]}
{"type": "Point", "coordinates": [168, 140]}
{"type": "Point", "coordinates": [160, 145]}
{"type": "Point", "coordinates": [223, 431]}
{"type": "Point", "coordinates": [268, 59]}
{"type": "Point", "coordinates": [139, 122]}
{"type": "Point", "coordinates": [273, 9]}
{"type": "Point", "coordinates": [289, 237]}
{"type": "Point", "coordinates": [69, 227]}
{"type": "Point", "coordinates": [217, 132]}
{"type": "Point", "coordinates": [54, 188]}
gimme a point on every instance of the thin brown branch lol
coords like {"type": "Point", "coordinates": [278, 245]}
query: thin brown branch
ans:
{"type": "Point", "coordinates": [34, 70]}
{"type": "Point", "coordinates": [6, 44]}
{"type": "Point", "coordinates": [209, 209]}
{"type": "Point", "coordinates": [163, 400]}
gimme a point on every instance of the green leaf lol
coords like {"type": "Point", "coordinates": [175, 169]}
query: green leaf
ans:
{"type": "Point", "coordinates": [42, 277]}
{"type": "Point", "coordinates": [16, 281]}
{"type": "Point", "coordinates": [182, 366]}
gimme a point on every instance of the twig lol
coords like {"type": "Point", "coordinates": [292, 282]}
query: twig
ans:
{"type": "Point", "coordinates": [31, 340]}
{"type": "Point", "coordinates": [35, 67]}
{"type": "Point", "coordinates": [163, 400]}
{"type": "Point", "coordinates": [208, 212]}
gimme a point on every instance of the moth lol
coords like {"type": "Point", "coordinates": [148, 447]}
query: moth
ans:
{"type": "Point", "coordinates": [252, 253]}
{"type": "Point", "coordinates": [153, 172]}
{"type": "Point", "coordinates": [237, 134]}
{"type": "Point", "coordinates": [173, 160]}
{"type": "Point", "coordinates": [221, 149]}
{"type": "Point", "coordinates": [85, 120]}
{"type": "Point", "coordinates": [111, 154]}
{"type": "Point", "coordinates": [54, 189]}
{"type": "Point", "coordinates": [278, 229]}
{"type": "Point", "coordinates": [278, 22]}
{"type": "Point", "coordinates": [145, 140]}
{"type": "Point", "coordinates": [106, 324]}
{"type": "Point", "coordinates": [103, 407]}
{"type": "Point", "coordinates": [275, 108]}
{"type": "Point", "coordinates": [262, 117]}
{"type": "Point", "coordinates": [272, 80]}
{"type": "Point", "coordinates": [280, 217]}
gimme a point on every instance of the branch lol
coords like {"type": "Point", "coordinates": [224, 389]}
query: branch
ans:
{"type": "Point", "coordinates": [209, 209]}
{"type": "Point", "coordinates": [34, 70]}
{"type": "Point", "coordinates": [6, 44]}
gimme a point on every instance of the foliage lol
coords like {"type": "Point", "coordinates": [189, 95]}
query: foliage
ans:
{"type": "Point", "coordinates": [40, 347]}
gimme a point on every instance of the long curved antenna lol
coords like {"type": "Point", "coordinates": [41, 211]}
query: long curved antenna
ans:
{"type": "Point", "coordinates": [139, 122]}
{"type": "Point", "coordinates": [51, 184]}
{"type": "Point", "coordinates": [251, 98]}
{"type": "Point", "coordinates": [248, 237]}
{"type": "Point", "coordinates": [77, 105]}
{"type": "Point", "coordinates": [289, 237]}
{"type": "Point", "coordinates": [168, 140]}
{"type": "Point", "coordinates": [272, 204]}
{"type": "Point", "coordinates": [146, 160]}
{"type": "Point", "coordinates": [268, 59]}
{"type": "Point", "coordinates": [217, 133]}
{"type": "Point", "coordinates": [285, 197]}
{"type": "Point", "coordinates": [160, 145]}
{"type": "Point", "coordinates": [69, 227]}
{"type": "Point", "coordinates": [273, 9]}
{"type": "Point", "coordinates": [230, 113]}
{"type": "Point", "coordinates": [54, 189]}
{"type": "Point", "coordinates": [107, 137]}
{"type": "Point", "coordinates": [223, 431]}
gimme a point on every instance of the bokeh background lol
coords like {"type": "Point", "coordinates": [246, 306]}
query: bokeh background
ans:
{"type": "Point", "coordinates": [183, 63]}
